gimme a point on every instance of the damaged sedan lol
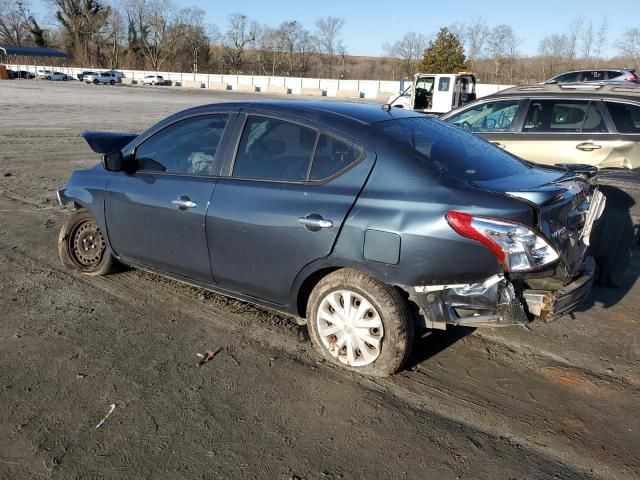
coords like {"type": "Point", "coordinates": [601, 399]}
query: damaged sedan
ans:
{"type": "Point", "coordinates": [363, 222]}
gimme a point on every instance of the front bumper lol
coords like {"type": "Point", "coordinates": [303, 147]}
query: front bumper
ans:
{"type": "Point", "coordinates": [496, 302]}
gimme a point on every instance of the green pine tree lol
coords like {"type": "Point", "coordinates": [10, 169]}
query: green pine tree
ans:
{"type": "Point", "coordinates": [445, 54]}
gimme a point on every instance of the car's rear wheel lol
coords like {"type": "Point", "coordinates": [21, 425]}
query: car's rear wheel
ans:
{"type": "Point", "coordinates": [359, 323]}
{"type": "Point", "coordinates": [95, 82]}
{"type": "Point", "coordinates": [112, 82]}
{"type": "Point", "coordinates": [82, 246]}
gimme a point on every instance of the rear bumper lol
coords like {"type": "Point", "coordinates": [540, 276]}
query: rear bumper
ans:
{"type": "Point", "coordinates": [547, 305]}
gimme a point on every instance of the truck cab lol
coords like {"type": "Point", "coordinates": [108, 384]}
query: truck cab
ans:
{"type": "Point", "coordinates": [436, 94]}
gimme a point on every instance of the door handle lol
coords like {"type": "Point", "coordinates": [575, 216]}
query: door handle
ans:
{"type": "Point", "coordinates": [498, 144]}
{"type": "Point", "coordinates": [588, 146]}
{"type": "Point", "coordinates": [314, 222]}
{"type": "Point", "coordinates": [183, 202]}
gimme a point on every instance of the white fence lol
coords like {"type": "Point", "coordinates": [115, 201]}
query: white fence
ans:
{"type": "Point", "coordinates": [375, 89]}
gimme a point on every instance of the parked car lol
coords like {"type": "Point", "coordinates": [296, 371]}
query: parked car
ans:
{"type": "Point", "coordinates": [597, 75]}
{"type": "Point", "coordinates": [56, 76]}
{"type": "Point", "coordinates": [153, 80]}
{"type": "Point", "coordinates": [86, 73]}
{"type": "Point", "coordinates": [41, 73]}
{"type": "Point", "coordinates": [597, 125]}
{"type": "Point", "coordinates": [23, 74]}
{"type": "Point", "coordinates": [364, 221]}
{"type": "Point", "coordinates": [103, 77]}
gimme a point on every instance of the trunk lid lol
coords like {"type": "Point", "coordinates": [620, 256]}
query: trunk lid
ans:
{"type": "Point", "coordinates": [566, 204]}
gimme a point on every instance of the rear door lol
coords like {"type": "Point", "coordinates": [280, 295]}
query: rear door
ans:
{"type": "Point", "coordinates": [156, 216]}
{"type": "Point", "coordinates": [563, 131]}
{"type": "Point", "coordinates": [626, 119]}
{"type": "Point", "coordinates": [286, 195]}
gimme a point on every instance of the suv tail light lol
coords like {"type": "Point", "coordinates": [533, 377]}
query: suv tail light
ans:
{"type": "Point", "coordinates": [633, 78]}
{"type": "Point", "coordinates": [517, 247]}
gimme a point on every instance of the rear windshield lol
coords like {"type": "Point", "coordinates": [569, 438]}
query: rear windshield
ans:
{"type": "Point", "coordinates": [459, 153]}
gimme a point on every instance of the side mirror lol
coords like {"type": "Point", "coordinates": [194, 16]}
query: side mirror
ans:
{"type": "Point", "coordinates": [113, 161]}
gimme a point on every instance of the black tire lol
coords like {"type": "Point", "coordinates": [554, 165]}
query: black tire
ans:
{"type": "Point", "coordinates": [616, 233]}
{"type": "Point", "coordinates": [95, 82]}
{"type": "Point", "coordinates": [82, 247]}
{"type": "Point", "coordinates": [393, 310]}
{"type": "Point", "coordinates": [112, 82]}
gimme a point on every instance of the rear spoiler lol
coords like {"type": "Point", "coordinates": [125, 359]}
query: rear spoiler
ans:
{"type": "Point", "coordinates": [107, 142]}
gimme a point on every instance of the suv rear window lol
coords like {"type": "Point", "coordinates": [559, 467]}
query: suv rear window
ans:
{"type": "Point", "coordinates": [626, 117]}
{"type": "Point", "coordinates": [459, 153]}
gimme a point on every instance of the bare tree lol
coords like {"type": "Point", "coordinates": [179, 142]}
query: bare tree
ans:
{"type": "Point", "coordinates": [601, 39]}
{"type": "Point", "coordinates": [572, 40]}
{"type": "Point", "coordinates": [155, 23]}
{"type": "Point", "coordinates": [328, 34]}
{"type": "Point", "coordinates": [84, 23]}
{"type": "Point", "coordinates": [192, 35]}
{"type": "Point", "coordinates": [115, 36]}
{"type": "Point", "coordinates": [629, 45]}
{"type": "Point", "coordinates": [475, 37]}
{"type": "Point", "coordinates": [552, 49]}
{"type": "Point", "coordinates": [586, 42]}
{"type": "Point", "coordinates": [240, 34]}
{"type": "Point", "coordinates": [14, 27]}
{"type": "Point", "coordinates": [409, 50]}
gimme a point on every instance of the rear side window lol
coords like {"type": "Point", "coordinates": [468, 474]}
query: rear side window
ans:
{"type": "Point", "coordinates": [186, 147]}
{"type": "Point", "coordinates": [332, 156]}
{"type": "Point", "coordinates": [487, 117]}
{"type": "Point", "coordinates": [443, 84]}
{"type": "Point", "coordinates": [274, 150]}
{"type": "Point", "coordinates": [593, 76]}
{"type": "Point", "coordinates": [563, 116]}
{"type": "Point", "coordinates": [459, 153]}
{"type": "Point", "coordinates": [626, 117]}
{"type": "Point", "coordinates": [611, 74]}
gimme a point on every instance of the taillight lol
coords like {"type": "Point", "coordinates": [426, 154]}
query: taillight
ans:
{"type": "Point", "coordinates": [517, 247]}
{"type": "Point", "coordinates": [633, 79]}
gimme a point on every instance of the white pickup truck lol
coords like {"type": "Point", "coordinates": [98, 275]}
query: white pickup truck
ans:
{"type": "Point", "coordinates": [436, 93]}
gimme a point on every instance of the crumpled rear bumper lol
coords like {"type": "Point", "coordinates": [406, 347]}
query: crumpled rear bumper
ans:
{"type": "Point", "coordinates": [546, 304]}
{"type": "Point", "coordinates": [496, 302]}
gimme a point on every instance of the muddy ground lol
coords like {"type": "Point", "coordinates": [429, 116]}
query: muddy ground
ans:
{"type": "Point", "coordinates": [558, 401]}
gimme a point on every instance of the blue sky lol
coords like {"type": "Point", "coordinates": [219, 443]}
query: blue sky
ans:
{"type": "Point", "coordinates": [369, 24]}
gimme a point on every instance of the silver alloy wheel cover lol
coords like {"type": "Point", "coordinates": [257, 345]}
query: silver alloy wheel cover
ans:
{"type": "Point", "coordinates": [350, 328]}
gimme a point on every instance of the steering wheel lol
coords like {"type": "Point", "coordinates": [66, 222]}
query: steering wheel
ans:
{"type": "Point", "coordinates": [466, 126]}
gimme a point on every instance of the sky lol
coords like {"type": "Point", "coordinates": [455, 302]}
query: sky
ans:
{"type": "Point", "coordinates": [371, 24]}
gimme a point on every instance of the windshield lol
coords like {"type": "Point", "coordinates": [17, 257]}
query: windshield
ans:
{"type": "Point", "coordinates": [460, 154]}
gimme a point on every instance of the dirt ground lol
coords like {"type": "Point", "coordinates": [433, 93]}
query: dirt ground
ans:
{"type": "Point", "coordinates": [560, 400]}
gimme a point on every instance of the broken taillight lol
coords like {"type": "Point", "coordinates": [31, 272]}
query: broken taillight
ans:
{"type": "Point", "coordinates": [517, 247]}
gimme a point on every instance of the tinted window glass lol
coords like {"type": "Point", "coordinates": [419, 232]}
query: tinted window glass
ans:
{"type": "Point", "coordinates": [274, 150]}
{"type": "Point", "coordinates": [563, 116]}
{"type": "Point", "coordinates": [188, 146]}
{"type": "Point", "coordinates": [487, 117]}
{"type": "Point", "coordinates": [626, 117]}
{"type": "Point", "coordinates": [567, 78]}
{"type": "Point", "coordinates": [443, 84]}
{"type": "Point", "coordinates": [331, 156]}
{"type": "Point", "coordinates": [611, 74]}
{"type": "Point", "coordinates": [593, 76]}
{"type": "Point", "coordinates": [459, 153]}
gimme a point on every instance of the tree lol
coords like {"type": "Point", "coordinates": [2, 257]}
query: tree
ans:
{"type": "Point", "coordinates": [601, 40]}
{"type": "Point", "coordinates": [476, 35]}
{"type": "Point", "coordinates": [445, 54]}
{"type": "Point", "coordinates": [552, 49]}
{"type": "Point", "coordinates": [15, 23]}
{"type": "Point", "coordinates": [329, 42]}
{"type": "Point", "coordinates": [83, 22]}
{"type": "Point", "coordinates": [502, 47]}
{"type": "Point", "coordinates": [193, 37]}
{"type": "Point", "coordinates": [629, 45]}
{"type": "Point", "coordinates": [240, 34]}
{"type": "Point", "coordinates": [409, 50]}
{"type": "Point", "coordinates": [587, 42]}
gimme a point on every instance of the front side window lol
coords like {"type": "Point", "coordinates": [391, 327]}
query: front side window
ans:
{"type": "Point", "coordinates": [274, 150]}
{"type": "Point", "coordinates": [625, 116]}
{"type": "Point", "coordinates": [563, 116]}
{"type": "Point", "coordinates": [186, 147]}
{"type": "Point", "coordinates": [566, 78]}
{"type": "Point", "coordinates": [331, 157]}
{"type": "Point", "coordinates": [459, 153]}
{"type": "Point", "coordinates": [443, 84]}
{"type": "Point", "coordinates": [487, 117]}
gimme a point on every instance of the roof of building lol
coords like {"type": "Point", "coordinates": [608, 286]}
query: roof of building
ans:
{"type": "Point", "coordinates": [32, 51]}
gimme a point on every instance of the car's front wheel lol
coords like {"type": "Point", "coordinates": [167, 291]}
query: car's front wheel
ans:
{"type": "Point", "coordinates": [112, 82]}
{"type": "Point", "coordinates": [82, 246]}
{"type": "Point", "coordinates": [95, 82]}
{"type": "Point", "coordinates": [359, 323]}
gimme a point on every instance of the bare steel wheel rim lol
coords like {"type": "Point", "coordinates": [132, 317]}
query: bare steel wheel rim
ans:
{"type": "Point", "coordinates": [350, 328]}
{"type": "Point", "coordinates": [87, 245]}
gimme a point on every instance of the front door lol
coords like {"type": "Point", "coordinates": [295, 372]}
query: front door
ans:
{"type": "Point", "coordinates": [156, 216]}
{"type": "Point", "coordinates": [282, 206]}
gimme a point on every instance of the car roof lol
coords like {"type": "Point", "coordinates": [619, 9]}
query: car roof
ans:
{"type": "Point", "coordinates": [323, 111]}
{"type": "Point", "coordinates": [569, 90]}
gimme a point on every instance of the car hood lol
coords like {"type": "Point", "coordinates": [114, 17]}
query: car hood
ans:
{"type": "Point", "coordinates": [566, 204]}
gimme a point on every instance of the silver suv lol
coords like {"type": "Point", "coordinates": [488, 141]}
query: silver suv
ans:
{"type": "Point", "coordinates": [597, 75]}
